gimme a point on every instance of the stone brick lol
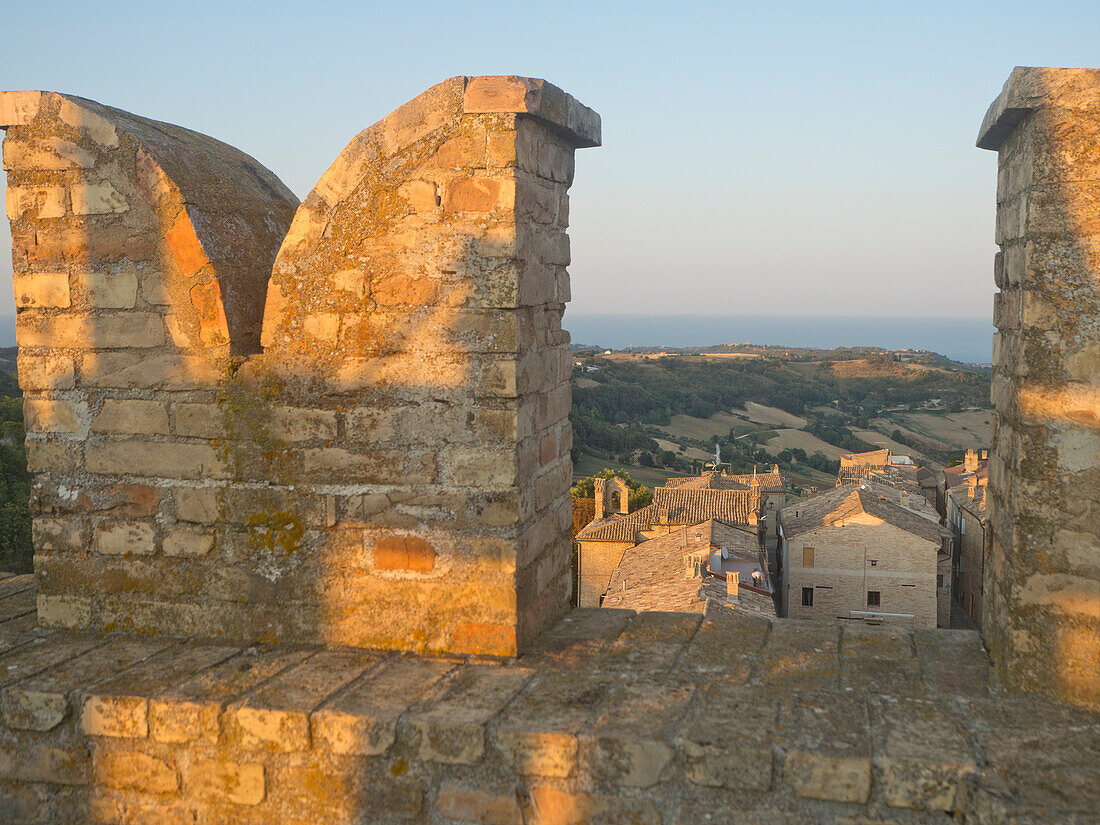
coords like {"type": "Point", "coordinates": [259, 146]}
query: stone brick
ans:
{"type": "Point", "coordinates": [46, 372]}
{"type": "Point", "coordinates": [57, 534]}
{"type": "Point", "coordinates": [135, 771]}
{"type": "Point", "coordinates": [131, 416]}
{"type": "Point", "coordinates": [556, 807]}
{"type": "Point", "coordinates": [291, 424]}
{"type": "Point", "coordinates": [44, 763]}
{"type": "Point", "coordinates": [404, 553]}
{"type": "Point", "coordinates": [46, 415]}
{"type": "Point", "coordinates": [135, 329]}
{"type": "Point", "coordinates": [18, 108]}
{"type": "Point", "coordinates": [96, 127]}
{"type": "Point", "coordinates": [97, 199]}
{"type": "Point", "coordinates": [110, 290]}
{"type": "Point", "coordinates": [199, 420]}
{"type": "Point", "coordinates": [223, 780]}
{"type": "Point", "coordinates": [41, 201]}
{"type": "Point", "coordinates": [187, 541]}
{"type": "Point", "coordinates": [452, 731]}
{"type": "Point", "coordinates": [196, 504]}
{"type": "Point", "coordinates": [151, 458]}
{"type": "Point", "coordinates": [115, 716]}
{"type": "Point", "coordinates": [362, 720]}
{"type": "Point", "coordinates": [125, 538]}
{"type": "Point", "coordinates": [475, 805]}
{"type": "Point", "coordinates": [42, 289]}
{"type": "Point", "coordinates": [478, 195]}
{"type": "Point", "coordinates": [64, 611]}
{"type": "Point", "coordinates": [51, 154]}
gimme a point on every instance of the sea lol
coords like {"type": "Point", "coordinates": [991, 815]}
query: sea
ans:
{"type": "Point", "coordinates": [969, 340]}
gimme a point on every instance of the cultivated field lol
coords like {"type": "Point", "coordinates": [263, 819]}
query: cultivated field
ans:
{"type": "Point", "coordinates": [878, 439]}
{"type": "Point", "coordinates": [686, 426]}
{"type": "Point", "coordinates": [771, 415]}
{"type": "Point", "coordinates": [688, 452]}
{"type": "Point", "coordinates": [790, 439]}
{"type": "Point", "coordinates": [960, 431]}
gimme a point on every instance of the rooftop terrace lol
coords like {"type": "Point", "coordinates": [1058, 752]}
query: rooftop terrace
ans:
{"type": "Point", "coordinates": [611, 717]}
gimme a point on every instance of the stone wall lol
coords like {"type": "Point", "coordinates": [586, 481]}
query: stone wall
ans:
{"type": "Point", "coordinates": [650, 719]}
{"type": "Point", "coordinates": [392, 469]}
{"type": "Point", "coordinates": [1042, 577]}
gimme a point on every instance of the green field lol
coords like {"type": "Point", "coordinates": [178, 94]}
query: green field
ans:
{"type": "Point", "coordinates": [588, 465]}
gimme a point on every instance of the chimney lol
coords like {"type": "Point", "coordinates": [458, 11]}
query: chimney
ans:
{"type": "Point", "coordinates": [905, 499]}
{"type": "Point", "coordinates": [970, 462]}
{"type": "Point", "coordinates": [599, 496]}
{"type": "Point", "coordinates": [972, 487]}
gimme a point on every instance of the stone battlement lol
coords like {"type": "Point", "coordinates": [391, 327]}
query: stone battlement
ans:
{"type": "Point", "coordinates": [610, 717]}
{"type": "Point", "coordinates": [392, 470]}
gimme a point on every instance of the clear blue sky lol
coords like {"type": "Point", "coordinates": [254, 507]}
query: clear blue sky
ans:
{"type": "Point", "coordinates": [771, 158]}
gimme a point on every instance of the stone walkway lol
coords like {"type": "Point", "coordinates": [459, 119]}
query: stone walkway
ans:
{"type": "Point", "coordinates": [654, 718]}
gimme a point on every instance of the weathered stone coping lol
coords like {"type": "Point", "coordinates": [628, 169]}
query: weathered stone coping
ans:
{"type": "Point", "coordinates": [1029, 88]}
{"type": "Point", "coordinates": [613, 717]}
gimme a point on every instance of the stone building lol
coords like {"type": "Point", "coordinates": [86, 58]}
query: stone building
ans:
{"type": "Point", "coordinates": [685, 570]}
{"type": "Point", "coordinates": [734, 499]}
{"type": "Point", "coordinates": [863, 552]}
{"type": "Point", "coordinates": [967, 517]}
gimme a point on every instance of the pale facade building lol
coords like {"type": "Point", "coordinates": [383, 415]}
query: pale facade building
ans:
{"type": "Point", "coordinates": [863, 552]}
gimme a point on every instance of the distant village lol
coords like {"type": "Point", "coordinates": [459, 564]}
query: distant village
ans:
{"type": "Point", "coordinates": [892, 543]}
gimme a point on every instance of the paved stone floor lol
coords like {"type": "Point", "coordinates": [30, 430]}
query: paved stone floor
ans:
{"type": "Point", "coordinates": [614, 717]}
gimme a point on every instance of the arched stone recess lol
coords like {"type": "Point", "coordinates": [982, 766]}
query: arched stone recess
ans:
{"type": "Point", "coordinates": [141, 253]}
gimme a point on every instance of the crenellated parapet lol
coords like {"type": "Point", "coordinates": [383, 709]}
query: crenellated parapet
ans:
{"type": "Point", "coordinates": [392, 469]}
{"type": "Point", "coordinates": [1042, 570]}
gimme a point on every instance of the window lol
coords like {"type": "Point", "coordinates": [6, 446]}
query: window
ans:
{"type": "Point", "coordinates": [807, 597]}
{"type": "Point", "coordinates": [873, 598]}
{"type": "Point", "coordinates": [807, 557]}
{"type": "Point", "coordinates": [939, 580]}
{"type": "Point", "coordinates": [874, 562]}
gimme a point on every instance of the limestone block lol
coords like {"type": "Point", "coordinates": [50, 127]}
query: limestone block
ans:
{"type": "Point", "coordinates": [98, 199]}
{"type": "Point", "coordinates": [44, 763]}
{"type": "Point", "coordinates": [42, 289]}
{"type": "Point", "coordinates": [131, 416]}
{"type": "Point", "coordinates": [49, 154]}
{"type": "Point", "coordinates": [18, 108]}
{"type": "Point", "coordinates": [110, 290]}
{"type": "Point", "coordinates": [477, 805]}
{"type": "Point", "coordinates": [199, 420]}
{"type": "Point", "coordinates": [115, 716]}
{"type": "Point", "coordinates": [98, 128]}
{"type": "Point", "coordinates": [362, 720]}
{"type": "Point", "coordinates": [277, 716]}
{"type": "Point", "coordinates": [134, 771]}
{"type": "Point", "coordinates": [223, 780]}
{"type": "Point", "coordinates": [107, 331]}
{"type": "Point", "coordinates": [479, 194]}
{"type": "Point", "coordinates": [404, 553]}
{"type": "Point", "coordinates": [152, 458]}
{"type": "Point", "coordinates": [294, 424]}
{"type": "Point", "coordinates": [57, 534]}
{"type": "Point", "coordinates": [125, 370]}
{"type": "Point", "coordinates": [187, 541]}
{"type": "Point", "coordinates": [41, 201]}
{"type": "Point", "coordinates": [552, 806]}
{"type": "Point", "coordinates": [48, 415]}
{"type": "Point", "coordinates": [420, 194]}
{"type": "Point", "coordinates": [46, 372]}
{"type": "Point", "coordinates": [452, 730]}
{"type": "Point", "coordinates": [196, 504]}
{"type": "Point", "coordinates": [125, 538]}
{"type": "Point", "coordinates": [64, 611]}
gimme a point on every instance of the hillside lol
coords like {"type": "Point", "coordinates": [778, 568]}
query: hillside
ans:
{"type": "Point", "coordinates": [660, 412]}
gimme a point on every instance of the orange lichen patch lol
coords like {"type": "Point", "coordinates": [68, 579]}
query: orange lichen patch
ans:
{"type": "Point", "coordinates": [185, 246]}
{"type": "Point", "coordinates": [1081, 405]}
{"type": "Point", "coordinates": [484, 638]}
{"type": "Point", "coordinates": [404, 553]}
{"type": "Point", "coordinates": [207, 299]}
